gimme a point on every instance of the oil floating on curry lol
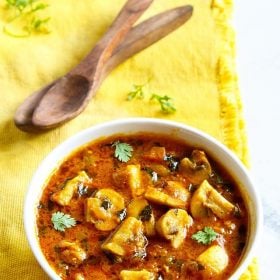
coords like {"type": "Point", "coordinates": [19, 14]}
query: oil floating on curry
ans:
{"type": "Point", "coordinates": [142, 206]}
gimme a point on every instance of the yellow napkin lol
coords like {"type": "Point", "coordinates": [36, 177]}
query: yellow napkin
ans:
{"type": "Point", "coordinates": [194, 66]}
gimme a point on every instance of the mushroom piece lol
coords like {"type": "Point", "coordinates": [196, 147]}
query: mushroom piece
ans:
{"type": "Point", "coordinates": [173, 226]}
{"type": "Point", "coordinates": [174, 194]}
{"type": "Point", "coordinates": [196, 168]}
{"type": "Point", "coordinates": [102, 210]}
{"type": "Point", "coordinates": [127, 241]}
{"type": "Point", "coordinates": [79, 276]}
{"type": "Point", "coordinates": [206, 197]}
{"type": "Point", "coordinates": [71, 252]}
{"type": "Point", "coordinates": [64, 196]}
{"type": "Point", "coordinates": [142, 210]}
{"type": "Point", "coordinates": [136, 275]}
{"type": "Point", "coordinates": [156, 154]}
{"type": "Point", "coordinates": [214, 260]}
{"type": "Point", "coordinates": [130, 176]}
{"type": "Point", "coordinates": [160, 169]}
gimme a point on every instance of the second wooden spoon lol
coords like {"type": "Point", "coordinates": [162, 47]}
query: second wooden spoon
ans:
{"type": "Point", "coordinates": [139, 38]}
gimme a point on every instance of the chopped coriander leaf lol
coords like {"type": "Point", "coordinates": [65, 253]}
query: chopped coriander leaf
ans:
{"type": "Point", "coordinates": [136, 92]}
{"type": "Point", "coordinates": [165, 103]}
{"type": "Point", "coordinates": [205, 236]}
{"type": "Point", "coordinates": [28, 5]}
{"type": "Point", "coordinates": [123, 151]}
{"type": "Point", "coordinates": [25, 18]}
{"type": "Point", "coordinates": [61, 221]}
{"type": "Point", "coordinates": [37, 25]}
{"type": "Point", "coordinates": [18, 4]}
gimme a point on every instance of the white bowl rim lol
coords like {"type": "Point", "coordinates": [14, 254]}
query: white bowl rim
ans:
{"type": "Point", "coordinates": [29, 199]}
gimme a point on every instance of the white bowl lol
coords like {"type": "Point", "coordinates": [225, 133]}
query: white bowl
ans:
{"type": "Point", "coordinates": [191, 136]}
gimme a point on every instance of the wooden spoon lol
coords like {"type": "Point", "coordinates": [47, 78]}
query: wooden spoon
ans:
{"type": "Point", "coordinates": [140, 37]}
{"type": "Point", "coordinates": [70, 94]}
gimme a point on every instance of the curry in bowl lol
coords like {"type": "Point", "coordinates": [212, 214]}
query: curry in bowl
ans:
{"type": "Point", "coordinates": [142, 206]}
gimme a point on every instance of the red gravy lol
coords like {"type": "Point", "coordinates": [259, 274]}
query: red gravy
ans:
{"type": "Point", "coordinates": [162, 177]}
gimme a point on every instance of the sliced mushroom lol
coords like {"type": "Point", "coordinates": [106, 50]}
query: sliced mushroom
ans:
{"type": "Point", "coordinates": [102, 210]}
{"type": "Point", "coordinates": [214, 260]}
{"type": "Point", "coordinates": [71, 252]}
{"type": "Point", "coordinates": [140, 209]}
{"type": "Point", "coordinates": [136, 275]}
{"type": "Point", "coordinates": [173, 226]}
{"type": "Point", "coordinates": [156, 154]}
{"type": "Point", "coordinates": [160, 169]}
{"type": "Point", "coordinates": [196, 168]}
{"type": "Point", "coordinates": [206, 197]}
{"type": "Point", "coordinates": [128, 240]}
{"type": "Point", "coordinates": [130, 176]}
{"type": "Point", "coordinates": [79, 276]}
{"type": "Point", "coordinates": [64, 196]}
{"type": "Point", "coordinates": [174, 194]}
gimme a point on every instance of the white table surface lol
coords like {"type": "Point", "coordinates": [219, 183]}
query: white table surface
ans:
{"type": "Point", "coordinates": [258, 57]}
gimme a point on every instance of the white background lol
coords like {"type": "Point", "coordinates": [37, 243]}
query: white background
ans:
{"type": "Point", "coordinates": [258, 58]}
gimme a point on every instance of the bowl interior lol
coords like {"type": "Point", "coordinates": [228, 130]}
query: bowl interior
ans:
{"type": "Point", "coordinates": [190, 135]}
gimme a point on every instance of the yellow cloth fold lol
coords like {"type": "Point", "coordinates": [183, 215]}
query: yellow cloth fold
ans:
{"type": "Point", "coordinates": [194, 66]}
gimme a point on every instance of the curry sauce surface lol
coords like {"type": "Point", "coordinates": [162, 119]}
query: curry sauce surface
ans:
{"type": "Point", "coordinates": [161, 258]}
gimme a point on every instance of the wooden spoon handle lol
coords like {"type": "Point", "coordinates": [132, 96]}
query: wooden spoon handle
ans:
{"type": "Point", "coordinates": [147, 33]}
{"type": "Point", "coordinates": [92, 66]}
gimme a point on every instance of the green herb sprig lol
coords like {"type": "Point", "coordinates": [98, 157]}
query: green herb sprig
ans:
{"type": "Point", "coordinates": [61, 221]}
{"type": "Point", "coordinates": [205, 236]}
{"type": "Point", "coordinates": [25, 15]}
{"type": "Point", "coordinates": [136, 93]}
{"type": "Point", "coordinates": [123, 151]}
{"type": "Point", "coordinates": [165, 102]}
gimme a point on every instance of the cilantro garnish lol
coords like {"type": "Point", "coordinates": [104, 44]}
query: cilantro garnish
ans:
{"type": "Point", "coordinates": [25, 18]}
{"type": "Point", "coordinates": [136, 92]}
{"type": "Point", "coordinates": [123, 151]}
{"type": "Point", "coordinates": [165, 102]}
{"type": "Point", "coordinates": [205, 236]}
{"type": "Point", "coordinates": [61, 221]}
